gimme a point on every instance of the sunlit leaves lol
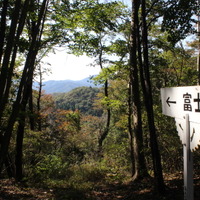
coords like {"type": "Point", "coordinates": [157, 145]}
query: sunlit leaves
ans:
{"type": "Point", "coordinates": [178, 19]}
{"type": "Point", "coordinates": [95, 26]}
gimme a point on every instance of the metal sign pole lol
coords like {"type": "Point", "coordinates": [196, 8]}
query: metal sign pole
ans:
{"type": "Point", "coordinates": [188, 163]}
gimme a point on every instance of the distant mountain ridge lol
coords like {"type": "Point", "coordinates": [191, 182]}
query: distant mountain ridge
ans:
{"type": "Point", "coordinates": [62, 86]}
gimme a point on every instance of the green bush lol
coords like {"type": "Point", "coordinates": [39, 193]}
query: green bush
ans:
{"type": "Point", "coordinates": [51, 167]}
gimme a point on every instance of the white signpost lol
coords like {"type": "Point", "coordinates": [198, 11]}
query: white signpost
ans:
{"type": "Point", "coordinates": [183, 103]}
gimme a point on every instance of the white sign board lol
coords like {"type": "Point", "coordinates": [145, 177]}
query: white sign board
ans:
{"type": "Point", "coordinates": [179, 101]}
{"type": "Point", "coordinates": [183, 103]}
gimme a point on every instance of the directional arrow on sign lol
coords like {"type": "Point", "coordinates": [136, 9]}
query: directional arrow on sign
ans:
{"type": "Point", "coordinates": [176, 102]}
{"type": "Point", "coordinates": [168, 101]}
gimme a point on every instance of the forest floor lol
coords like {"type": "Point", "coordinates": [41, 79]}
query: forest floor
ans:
{"type": "Point", "coordinates": [10, 190]}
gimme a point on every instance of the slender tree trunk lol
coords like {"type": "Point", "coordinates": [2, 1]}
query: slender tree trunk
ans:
{"type": "Point", "coordinates": [3, 27]}
{"type": "Point", "coordinates": [9, 47]}
{"type": "Point", "coordinates": [9, 75]}
{"type": "Point", "coordinates": [38, 102]}
{"type": "Point", "coordinates": [140, 166]}
{"type": "Point", "coordinates": [32, 116]}
{"type": "Point", "coordinates": [25, 82]}
{"type": "Point", "coordinates": [130, 128]}
{"type": "Point", "coordinates": [198, 36]}
{"type": "Point", "coordinates": [19, 147]}
{"type": "Point", "coordinates": [20, 134]}
{"type": "Point", "coordinates": [107, 127]}
{"type": "Point", "coordinates": [149, 106]}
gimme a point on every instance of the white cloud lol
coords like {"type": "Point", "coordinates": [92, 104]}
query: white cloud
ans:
{"type": "Point", "coordinates": [67, 66]}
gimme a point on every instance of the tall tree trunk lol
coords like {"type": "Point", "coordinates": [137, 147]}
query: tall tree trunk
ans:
{"type": "Point", "coordinates": [140, 166]}
{"type": "Point", "coordinates": [147, 91]}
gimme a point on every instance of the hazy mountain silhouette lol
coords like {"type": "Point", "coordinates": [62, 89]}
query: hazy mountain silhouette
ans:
{"type": "Point", "coordinates": [62, 86]}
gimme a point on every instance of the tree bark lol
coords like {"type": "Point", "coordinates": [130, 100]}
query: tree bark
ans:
{"type": "Point", "coordinates": [130, 129]}
{"type": "Point", "coordinates": [3, 26]}
{"type": "Point", "coordinates": [147, 91]}
{"type": "Point", "coordinates": [140, 166]}
{"type": "Point", "coordinates": [9, 47]}
{"type": "Point", "coordinates": [38, 102]}
{"type": "Point", "coordinates": [9, 75]}
{"type": "Point", "coordinates": [32, 116]}
{"type": "Point", "coordinates": [20, 134]}
{"type": "Point", "coordinates": [19, 147]}
{"type": "Point", "coordinates": [107, 127]}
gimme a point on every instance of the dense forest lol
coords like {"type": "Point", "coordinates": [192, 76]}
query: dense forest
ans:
{"type": "Point", "coordinates": [82, 99]}
{"type": "Point", "coordinates": [106, 143]}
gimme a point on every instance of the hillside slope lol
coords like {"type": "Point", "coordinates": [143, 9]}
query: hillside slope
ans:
{"type": "Point", "coordinates": [81, 98]}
